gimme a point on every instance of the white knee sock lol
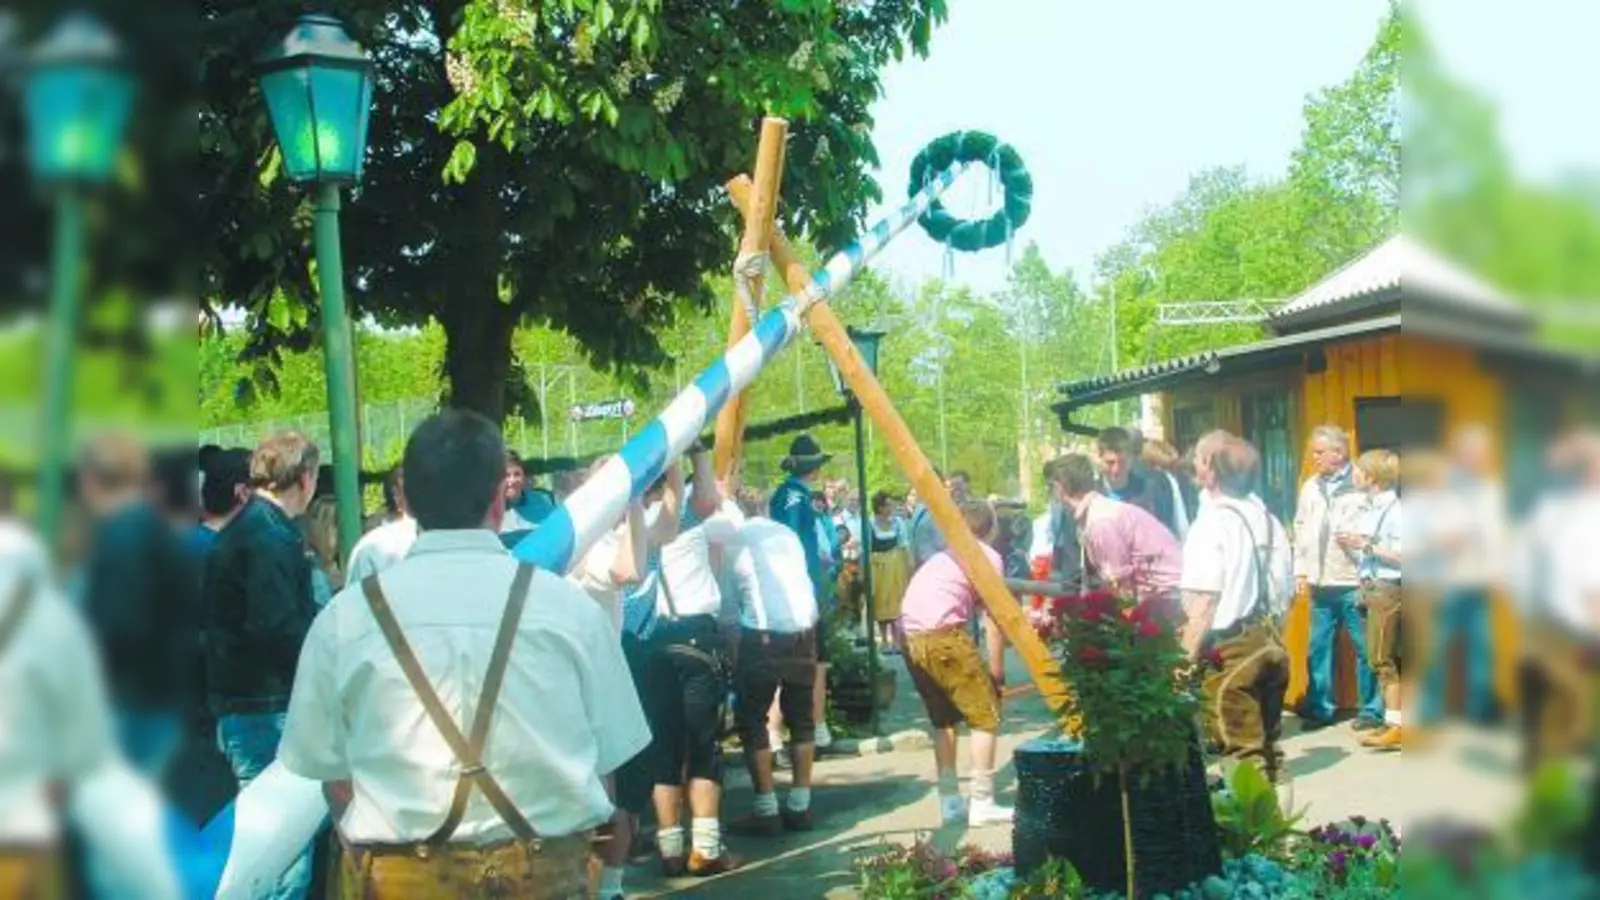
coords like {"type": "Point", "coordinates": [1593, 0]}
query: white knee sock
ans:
{"type": "Point", "coordinates": [707, 837]}
{"type": "Point", "coordinates": [610, 884]}
{"type": "Point", "coordinates": [670, 841]}
{"type": "Point", "coordinates": [982, 785]}
{"type": "Point", "coordinates": [766, 805]}
{"type": "Point", "coordinates": [799, 799]}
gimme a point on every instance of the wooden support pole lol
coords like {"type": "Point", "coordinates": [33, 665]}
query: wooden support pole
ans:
{"type": "Point", "coordinates": [757, 235]}
{"type": "Point", "coordinates": [1002, 606]}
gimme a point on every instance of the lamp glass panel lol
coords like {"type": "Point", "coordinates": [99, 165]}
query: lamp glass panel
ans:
{"type": "Point", "coordinates": [288, 96]}
{"type": "Point", "coordinates": [340, 100]}
{"type": "Point", "coordinates": [76, 116]}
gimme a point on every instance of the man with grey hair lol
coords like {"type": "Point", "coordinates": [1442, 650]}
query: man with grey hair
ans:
{"type": "Point", "coordinates": [1329, 504]}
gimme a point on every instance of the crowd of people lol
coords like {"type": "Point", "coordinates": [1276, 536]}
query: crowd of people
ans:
{"type": "Point", "coordinates": [469, 716]}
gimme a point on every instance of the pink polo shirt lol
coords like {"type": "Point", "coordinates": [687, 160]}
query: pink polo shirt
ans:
{"type": "Point", "coordinates": [1129, 546]}
{"type": "Point", "coordinates": [940, 594]}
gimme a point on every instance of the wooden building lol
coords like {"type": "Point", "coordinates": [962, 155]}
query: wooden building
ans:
{"type": "Point", "coordinates": [1399, 347]}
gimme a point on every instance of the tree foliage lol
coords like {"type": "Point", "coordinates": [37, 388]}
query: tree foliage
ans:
{"type": "Point", "coordinates": [545, 163]}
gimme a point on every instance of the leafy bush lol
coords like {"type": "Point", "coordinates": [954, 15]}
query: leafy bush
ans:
{"type": "Point", "coordinates": [1250, 817]}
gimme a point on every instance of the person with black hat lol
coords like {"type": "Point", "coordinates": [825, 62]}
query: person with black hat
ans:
{"type": "Point", "coordinates": [792, 505]}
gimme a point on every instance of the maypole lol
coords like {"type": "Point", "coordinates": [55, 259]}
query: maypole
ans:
{"type": "Point", "coordinates": [277, 815]}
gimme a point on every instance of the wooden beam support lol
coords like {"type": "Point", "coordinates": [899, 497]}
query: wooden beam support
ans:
{"type": "Point", "coordinates": [763, 204]}
{"type": "Point", "coordinates": [1002, 606]}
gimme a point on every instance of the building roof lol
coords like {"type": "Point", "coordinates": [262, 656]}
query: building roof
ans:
{"type": "Point", "coordinates": [1229, 360]}
{"type": "Point", "coordinates": [1400, 266]}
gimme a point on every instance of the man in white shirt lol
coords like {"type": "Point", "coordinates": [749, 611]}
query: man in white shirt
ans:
{"type": "Point", "coordinates": [387, 544]}
{"type": "Point", "coordinates": [777, 657]}
{"type": "Point", "coordinates": [686, 688]}
{"type": "Point", "coordinates": [56, 731]}
{"type": "Point", "coordinates": [1473, 543]}
{"type": "Point", "coordinates": [1556, 573]}
{"type": "Point", "coordinates": [462, 702]}
{"type": "Point", "coordinates": [1236, 586]}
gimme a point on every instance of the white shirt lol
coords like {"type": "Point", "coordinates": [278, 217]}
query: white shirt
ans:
{"type": "Point", "coordinates": [1557, 567]}
{"type": "Point", "coordinates": [1381, 523]}
{"type": "Point", "coordinates": [1044, 541]}
{"type": "Point", "coordinates": [686, 566]}
{"type": "Point", "coordinates": [55, 721]}
{"type": "Point", "coordinates": [593, 574]}
{"type": "Point", "coordinates": [775, 592]}
{"type": "Point", "coordinates": [566, 716]}
{"type": "Point", "coordinates": [381, 548]}
{"type": "Point", "coordinates": [1220, 557]}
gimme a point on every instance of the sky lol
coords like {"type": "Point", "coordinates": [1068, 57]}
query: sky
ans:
{"type": "Point", "coordinates": [1115, 105]}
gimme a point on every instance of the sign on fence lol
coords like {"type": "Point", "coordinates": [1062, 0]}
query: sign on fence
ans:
{"type": "Point", "coordinates": [603, 409]}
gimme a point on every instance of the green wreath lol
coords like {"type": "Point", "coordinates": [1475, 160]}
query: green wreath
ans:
{"type": "Point", "coordinates": [974, 147]}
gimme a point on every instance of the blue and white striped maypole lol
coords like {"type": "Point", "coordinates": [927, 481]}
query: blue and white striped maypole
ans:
{"type": "Point", "coordinates": [599, 504]}
{"type": "Point", "coordinates": [277, 815]}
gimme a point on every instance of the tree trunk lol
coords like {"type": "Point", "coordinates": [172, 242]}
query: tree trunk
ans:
{"type": "Point", "coordinates": [477, 353]}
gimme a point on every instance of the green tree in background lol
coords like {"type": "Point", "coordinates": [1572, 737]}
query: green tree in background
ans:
{"type": "Point", "coordinates": [545, 163]}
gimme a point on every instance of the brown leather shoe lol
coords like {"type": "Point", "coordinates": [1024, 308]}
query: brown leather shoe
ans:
{"type": "Point", "coordinates": [797, 821]}
{"type": "Point", "coordinates": [674, 866]}
{"type": "Point", "coordinates": [1389, 738]}
{"type": "Point", "coordinates": [700, 867]}
{"type": "Point", "coordinates": [757, 826]}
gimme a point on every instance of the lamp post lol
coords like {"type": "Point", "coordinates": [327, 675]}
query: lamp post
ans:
{"type": "Point", "coordinates": [866, 341]}
{"type": "Point", "coordinates": [77, 93]}
{"type": "Point", "coordinates": [317, 83]}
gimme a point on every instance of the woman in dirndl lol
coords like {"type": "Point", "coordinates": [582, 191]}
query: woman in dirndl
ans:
{"type": "Point", "coordinates": [891, 568]}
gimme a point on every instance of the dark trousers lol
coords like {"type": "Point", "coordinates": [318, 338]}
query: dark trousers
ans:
{"type": "Point", "coordinates": [685, 689]}
{"type": "Point", "coordinates": [1462, 618]}
{"type": "Point", "coordinates": [768, 662]}
{"type": "Point", "coordinates": [1333, 609]}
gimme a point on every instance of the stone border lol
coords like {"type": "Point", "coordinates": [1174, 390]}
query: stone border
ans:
{"type": "Point", "coordinates": [901, 741]}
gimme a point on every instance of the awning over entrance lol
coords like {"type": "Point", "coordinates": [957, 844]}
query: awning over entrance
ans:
{"type": "Point", "coordinates": [1212, 363]}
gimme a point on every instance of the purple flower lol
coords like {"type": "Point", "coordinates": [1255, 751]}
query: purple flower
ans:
{"type": "Point", "coordinates": [1366, 841]}
{"type": "Point", "coordinates": [1337, 859]}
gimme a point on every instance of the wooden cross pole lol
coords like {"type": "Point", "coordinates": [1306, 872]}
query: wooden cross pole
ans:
{"type": "Point", "coordinates": [757, 236]}
{"type": "Point", "coordinates": [875, 402]}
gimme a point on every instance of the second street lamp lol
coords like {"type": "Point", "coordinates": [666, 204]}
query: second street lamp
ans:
{"type": "Point", "coordinates": [318, 87]}
{"type": "Point", "coordinates": [866, 341]}
{"type": "Point", "coordinates": [77, 93]}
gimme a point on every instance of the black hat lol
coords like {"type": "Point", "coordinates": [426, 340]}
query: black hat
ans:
{"type": "Point", "coordinates": [805, 456]}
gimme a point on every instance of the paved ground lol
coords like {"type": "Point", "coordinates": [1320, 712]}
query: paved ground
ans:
{"type": "Point", "coordinates": [862, 801]}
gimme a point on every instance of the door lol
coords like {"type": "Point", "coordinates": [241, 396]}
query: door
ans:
{"type": "Point", "coordinates": [1266, 422]}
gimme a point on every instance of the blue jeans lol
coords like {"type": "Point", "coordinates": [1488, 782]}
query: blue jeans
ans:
{"type": "Point", "coordinates": [250, 742]}
{"type": "Point", "coordinates": [1333, 608]}
{"type": "Point", "coordinates": [1463, 616]}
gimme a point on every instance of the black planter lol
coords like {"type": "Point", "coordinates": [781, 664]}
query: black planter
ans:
{"type": "Point", "coordinates": [1064, 811]}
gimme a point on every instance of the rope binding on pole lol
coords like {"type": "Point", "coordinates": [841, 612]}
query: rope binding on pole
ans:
{"type": "Point", "coordinates": [969, 235]}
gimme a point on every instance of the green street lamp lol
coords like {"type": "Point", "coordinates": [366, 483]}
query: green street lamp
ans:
{"type": "Point", "coordinates": [318, 86]}
{"type": "Point", "coordinates": [866, 341]}
{"type": "Point", "coordinates": [76, 95]}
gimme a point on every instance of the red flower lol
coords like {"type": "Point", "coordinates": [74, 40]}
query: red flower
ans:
{"type": "Point", "coordinates": [1092, 657]}
{"type": "Point", "coordinates": [1149, 628]}
{"type": "Point", "coordinates": [1213, 658]}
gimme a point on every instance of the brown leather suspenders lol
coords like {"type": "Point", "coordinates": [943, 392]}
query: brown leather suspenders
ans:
{"type": "Point", "coordinates": [468, 752]}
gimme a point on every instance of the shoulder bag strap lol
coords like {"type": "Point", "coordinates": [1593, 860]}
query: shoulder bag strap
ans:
{"type": "Point", "coordinates": [21, 600]}
{"type": "Point", "coordinates": [468, 753]}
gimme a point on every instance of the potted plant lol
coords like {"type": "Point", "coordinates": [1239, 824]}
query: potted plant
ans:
{"type": "Point", "coordinates": [1133, 704]}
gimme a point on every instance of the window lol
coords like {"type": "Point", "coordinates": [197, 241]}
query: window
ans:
{"type": "Point", "coordinates": [1189, 423]}
{"type": "Point", "coordinates": [1390, 423]}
